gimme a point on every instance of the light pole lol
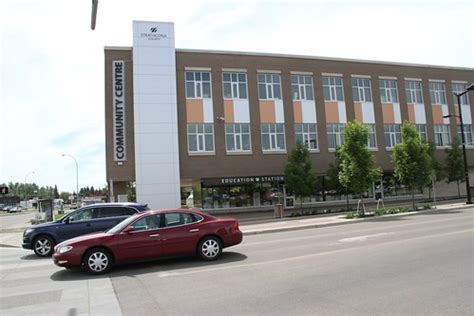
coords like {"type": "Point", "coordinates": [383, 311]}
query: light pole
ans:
{"type": "Point", "coordinates": [77, 176]}
{"type": "Point", "coordinates": [26, 176]}
{"type": "Point", "coordinates": [463, 140]}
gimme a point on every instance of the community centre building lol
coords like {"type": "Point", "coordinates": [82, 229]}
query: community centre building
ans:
{"type": "Point", "coordinates": [215, 128]}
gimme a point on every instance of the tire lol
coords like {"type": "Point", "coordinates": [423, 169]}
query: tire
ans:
{"type": "Point", "coordinates": [43, 246]}
{"type": "Point", "coordinates": [210, 248]}
{"type": "Point", "coordinates": [97, 261]}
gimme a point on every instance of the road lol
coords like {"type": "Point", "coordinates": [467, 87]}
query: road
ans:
{"type": "Point", "coordinates": [16, 220]}
{"type": "Point", "coordinates": [400, 265]}
{"type": "Point", "coordinates": [404, 265]}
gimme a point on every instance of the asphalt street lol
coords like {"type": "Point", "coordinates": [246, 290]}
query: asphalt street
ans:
{"type": "Point", "coordinates": [416, 265]}
{"type": "Point", "coordinates": [405, 265]}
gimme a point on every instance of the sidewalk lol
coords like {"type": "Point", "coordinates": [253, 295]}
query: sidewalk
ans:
{"type": "Point", "coordinates": [15, 238]}
{"type": "Point", "coordinates": [305, 222]}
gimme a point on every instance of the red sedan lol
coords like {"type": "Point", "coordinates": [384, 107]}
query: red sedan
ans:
{"type": "Point", "coordinates": [150, 235]}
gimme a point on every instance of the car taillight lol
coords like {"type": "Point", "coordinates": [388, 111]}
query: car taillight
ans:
{"type": "Point", "coordinates": [236, 225]}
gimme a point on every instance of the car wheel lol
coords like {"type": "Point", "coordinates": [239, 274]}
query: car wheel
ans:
{"type": "Point", "coordinates": [97, 261]}
{"type": "Point", "coordinates": [210, 248]}
{"type": "Point", "coordinates": [43, 246]}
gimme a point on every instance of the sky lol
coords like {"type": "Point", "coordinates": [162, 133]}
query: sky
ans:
{"type": "Point", "coordinates": [52, 63]}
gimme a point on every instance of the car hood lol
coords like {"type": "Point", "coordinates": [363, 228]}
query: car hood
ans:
{"type": "Point", "coordinates": [93, 236]}
{"type": "Point", "coordinates": [49, 224]}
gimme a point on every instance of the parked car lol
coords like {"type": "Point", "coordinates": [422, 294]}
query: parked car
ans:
{"type": "Point", "coordinates": [90, 219]}
{"type": "Point", "coordinates": [7, 208]}
{"type": "Point", "coordinates": [150, 235]}
{"type": "Point", "coordinates": [15, 209]}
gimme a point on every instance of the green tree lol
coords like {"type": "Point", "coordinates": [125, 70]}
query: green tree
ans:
{"type": "Point", "coordinates": [437, 167]}
{"type": "Point", "coordinates": [55, 192]}
{"type": "Point", "coordinates": [300, 177]}
{"type": "Point", "coordinates": [357, 172]}
{"type": "Point", "coordinates": [333, 179]}
{"type": "Point", "coordinates": [455, 164]}
{"type": "Point", "coordinates": [413, 166]}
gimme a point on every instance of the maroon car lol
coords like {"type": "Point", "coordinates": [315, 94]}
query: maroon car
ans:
{"type": "Point", "coordinates": [150, 235]}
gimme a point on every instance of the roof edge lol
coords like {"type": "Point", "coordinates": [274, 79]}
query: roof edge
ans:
{"type": "Point", "coordinates": [205, 51]}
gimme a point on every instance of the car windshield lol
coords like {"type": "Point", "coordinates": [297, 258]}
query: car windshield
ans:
{"type": "Point", "coordinates": [121, 225]}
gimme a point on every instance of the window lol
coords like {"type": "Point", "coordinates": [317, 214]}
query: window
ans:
{"type": "Point", "coordinates": [467, 134]}
{"type": "Point", "coordinates": [147, 223]}
{"type": "Point", "coordinates": [104, 212]}
{"type": "Point", "coordinates": [460, 88]}
{"type": "Point", "coordinates": [176, 219]}
{"type": "Point", "coordinates": [335, 135]}
{"type": "Point", "coordinates": [442, 135]}
{"type": "Point", "coordinates": [307, 134]}
{"type": "Point", "coordinates": [392, 135]}
{"type": "Point", "coordinates": [437, 93]}
{"type": "Point", "coordinates": [234, 85]}
{"type": "Point", "coordinates": [422, 130]}
{"type": "Point", "coordinates": [361, 90]}
{"type": "Point", "coordinates": [269, 87]}
{"type": "Point", "coordinates": [82, 215]}
{"type": "Point", "coordinates": [302, 87]}
{"type": "Point", "coordinates": [198, 84]}
{"type": "Point", "coordinates": [388, 91]}
{"type": "Point", "coordinates": [413, 91]}
{"type": "Point", "coordinates": [372, 141]}
{"type": "Point", "coordinates": [273, 137]}
{"type": "Point", "coordinates": [332, 89]}
{"type": "Point", "coordinates": [200, 138]}
{"type": "Point", "coordinates": [237, 137]}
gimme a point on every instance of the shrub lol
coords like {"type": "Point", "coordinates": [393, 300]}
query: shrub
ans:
{"type": "Point", "coordinates": [350, 215]}
{"type": "Point", "coordinates": [380, 212]}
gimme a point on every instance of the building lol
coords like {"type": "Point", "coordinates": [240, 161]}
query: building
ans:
{"type": "Point", "coordinates": [217, 127]}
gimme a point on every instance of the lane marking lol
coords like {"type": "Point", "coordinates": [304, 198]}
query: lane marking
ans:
{"type": "Point", "coordinates": [363, 238]}
{"type": "Point", "coordinates": [344, 232]}
{"type": "Point", "coordinates": [256, 264]}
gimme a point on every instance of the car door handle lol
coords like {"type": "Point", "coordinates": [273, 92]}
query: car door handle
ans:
{"type": "Point", "coordinates": [154, 235]}
{"type": "Point", "coordinates": [194, 230]}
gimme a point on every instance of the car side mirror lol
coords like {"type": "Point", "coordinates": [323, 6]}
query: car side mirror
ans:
{"type": "Point", "coordinates": [67, 220]}
{"type": "Point", "coordinates": [129, 230]}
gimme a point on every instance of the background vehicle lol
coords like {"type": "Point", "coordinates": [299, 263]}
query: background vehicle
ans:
{"type": "Point", "coordinates": [150, 235]}
{"type": "Point", "coordinates": [15, 209]}
{"type": "Point", "coordinates": [94, 218]}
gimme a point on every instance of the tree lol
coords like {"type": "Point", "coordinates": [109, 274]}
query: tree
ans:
{"type": "Point", "coordinates": [56, 193]}
{"type": "Point", "coordinates": [455, 163]}
{"type": "Point", "coordinates": [437, 167]}
{"type": "Point", "coordinates": [333, 177]}
{"type": "Point", "coordinates": [413, 166]}
{"type": "Point", "coordinates": [300, 177]}
{"type": "Point", "coordinates": [357, 172]}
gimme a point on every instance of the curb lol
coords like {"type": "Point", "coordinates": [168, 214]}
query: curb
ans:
{"type": "Point", "coordinates": [344, 221]}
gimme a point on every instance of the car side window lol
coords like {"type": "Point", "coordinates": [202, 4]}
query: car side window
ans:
{"type": "Point", "coordinates": [147, 223]}
{"type": "Point", "coordinates": [176, 219]}
{"type": "Point", "coordinates": [82, 215]}
{"type": "Point", "coordinates": [113, 211]}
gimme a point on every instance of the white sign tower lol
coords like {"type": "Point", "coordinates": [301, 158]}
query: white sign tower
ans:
{"type": "Point", "coordinates": [156, 117]}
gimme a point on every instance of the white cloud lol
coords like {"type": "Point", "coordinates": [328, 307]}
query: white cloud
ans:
{"type": "Point", "coordinates": [51, 63]}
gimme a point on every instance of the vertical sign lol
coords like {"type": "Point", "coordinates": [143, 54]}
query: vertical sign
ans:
{"type": "Point", "coordinates": [118, 82]}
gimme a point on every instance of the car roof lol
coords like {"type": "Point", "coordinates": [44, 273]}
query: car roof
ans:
{"type": "Point", "coordinates": [117, 204]}
{"type": "Point", "coordinates": [170, 210]}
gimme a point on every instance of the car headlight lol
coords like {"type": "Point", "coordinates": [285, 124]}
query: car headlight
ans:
{"type": "Point", "coordinates": [28, 231]}
{"type": "Point", "coordinates": [64, 249]}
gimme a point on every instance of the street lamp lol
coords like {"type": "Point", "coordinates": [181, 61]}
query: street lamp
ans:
{"type": "Point", "coordinates": [95, 3]}
{"type": "Point", "coordinates": [77, 175]}
{"type": "Point", "coordinates": [466, 172]}
{"type": "Point", "coordinates": [26, 176]}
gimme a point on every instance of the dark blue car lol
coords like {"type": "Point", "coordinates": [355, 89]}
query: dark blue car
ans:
{"type": "Point", "coordinates": [89, 219]}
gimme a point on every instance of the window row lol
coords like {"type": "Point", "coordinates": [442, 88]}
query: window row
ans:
{"type": "Point", "coordinates": [235, 86]}
{"type": "Point", "coordinates": [238, 137]}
